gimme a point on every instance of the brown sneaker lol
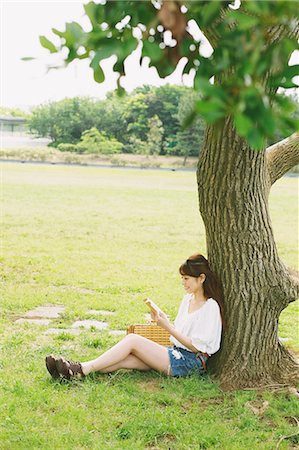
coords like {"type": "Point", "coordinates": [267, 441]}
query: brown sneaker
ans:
{"type": "Point", "coordinates": [51, 367]}
{"type": "Point", "coordinates": [69, 369]}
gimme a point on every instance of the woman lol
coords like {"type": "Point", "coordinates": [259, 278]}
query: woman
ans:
{"type": "Point", "coordinates": [196, 334]}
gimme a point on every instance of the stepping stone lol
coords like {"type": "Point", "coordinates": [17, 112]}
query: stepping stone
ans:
{"type": "Point", "coordinates": [100, 312]}
{"type": "Point", "coordinates": [50, 312]}
{"type": "Point", "coordinates": [90, 323]}
{"type": "Point", "coordinates": [35, 321]}
{"type": "Point", "coordinates": [117, 332]}
{"type": "Point", "coordinates": [61, 330]}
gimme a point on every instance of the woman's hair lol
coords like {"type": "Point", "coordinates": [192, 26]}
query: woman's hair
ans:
{"type": "Point", "coordinates": [194, 266]}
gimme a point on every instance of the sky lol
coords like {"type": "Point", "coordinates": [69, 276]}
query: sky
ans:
{"type": "Point", "coordinates": [29, 83]}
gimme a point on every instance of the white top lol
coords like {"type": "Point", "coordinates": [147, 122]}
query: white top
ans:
{"type": "Point", "coordinates": [202, 326]}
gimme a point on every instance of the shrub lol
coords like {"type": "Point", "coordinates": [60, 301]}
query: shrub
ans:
{"type": "Point", "coordinates": [67, 147]}
{"type": "Point", "coordinates": [94, 141]}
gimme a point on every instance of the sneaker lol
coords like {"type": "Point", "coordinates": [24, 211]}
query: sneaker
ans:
{"type": "Point", "coordinates": [69, 369]}
{"type": "Point", "coordinates": [51, 367]}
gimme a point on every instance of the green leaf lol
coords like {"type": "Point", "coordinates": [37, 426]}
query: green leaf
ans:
{"type": "Point", "coordinates": [255, 139]}
{"type": "Point", "coordinates": [152, 50]}
{"type": "Point", "coordinates": [47, 44]}
{"type": "Point", "coordinates": [267, 122]}
{"type": "Point", "coordinates": [73, 34]}
{"type": "Point", "coordinates": [287, 84]}
{"type": "Point", "coordinates": [291, 71]}
{"type": "Point", "coordinates": [244, 21]}
{"type": "Point", "coordinates": [57, 32]}
{"type": "Point", "coordinates": [119, 66]}
{"type": "Point", "coordinates": [189, 119]}
{"type": "Point", "coordinates": [286, 104]}
{"type": "Point", "coordinates": [203, 85]}
{"type": "Point", "coordinates": [120, 90]}
{"type": "Point", "coordinates": [211, 110]}
{"type": "Point", "coordinates": [243, 124]}
{"type": "Point", "coordinates": [94, 13]}
{"type": "Point", "coordinates": [98, 74]}
{"type": "Point", "coordinates": [210, 11]}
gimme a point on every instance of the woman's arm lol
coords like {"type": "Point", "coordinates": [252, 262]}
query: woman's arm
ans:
{"type": "Point", "coordinates": [163, 322]}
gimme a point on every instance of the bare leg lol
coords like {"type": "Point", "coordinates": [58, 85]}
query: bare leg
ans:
{"type": "Point", "coordinates": [131, 362]}
{"type": "Point", "coordinates": [153, 355]}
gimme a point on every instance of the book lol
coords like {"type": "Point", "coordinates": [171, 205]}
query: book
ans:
{"type": "Point", "coordinates": [152, 305]}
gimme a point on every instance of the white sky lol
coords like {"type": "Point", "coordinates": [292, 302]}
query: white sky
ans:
{"type": "Point", "coordinates": [28, 83]}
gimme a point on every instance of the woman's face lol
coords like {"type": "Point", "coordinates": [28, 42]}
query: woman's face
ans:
{"type": "Point", "coordinates": [192, 284]}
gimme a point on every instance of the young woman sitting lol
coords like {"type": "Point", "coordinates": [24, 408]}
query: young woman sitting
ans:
{"type": "Point", "coordinates": [196, 334]}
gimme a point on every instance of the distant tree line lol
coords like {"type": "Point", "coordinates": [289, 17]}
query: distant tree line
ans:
{"type": "Point", "coordinates": [148, 121]}
{"type": "Point", "coordinates": [13, 112]}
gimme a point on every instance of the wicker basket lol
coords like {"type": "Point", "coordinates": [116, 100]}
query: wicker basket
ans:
{"type": "Point", "coordinates": [152, 332]}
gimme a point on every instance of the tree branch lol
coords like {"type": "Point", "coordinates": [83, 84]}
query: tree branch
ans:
{"type": "Point", "coordinates": [293, 278]}
{"type": "Point", "coordinates": [210, 31]}
{"type": "Point", "coordinates": [282, 156]}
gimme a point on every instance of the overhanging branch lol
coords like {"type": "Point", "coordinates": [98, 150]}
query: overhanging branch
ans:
{"type": "Point", "coordinates": [282, 156]}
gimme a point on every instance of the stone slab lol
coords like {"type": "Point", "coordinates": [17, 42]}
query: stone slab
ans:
{"type": "Point", "coordinates": [117, 332]}
{"type": "Point", "coordinates": [90, 323]}
{"type": "Point", "coordinates": [49, 312]}
{"type": "Point", "coordinates": [100, 312]}
{"type": "Point", "coordinates": [62, 330]}
{"type": "Point", "coordinates": [284, 339]}
{"type": "Point", "coordinates": [35, 321]}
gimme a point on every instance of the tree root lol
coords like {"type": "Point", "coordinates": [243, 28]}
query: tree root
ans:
{"type": "Point", "coordinates": [232, 375]}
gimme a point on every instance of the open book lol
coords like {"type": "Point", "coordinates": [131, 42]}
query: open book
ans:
{"type": "Point", "coordinates": [153, 306]}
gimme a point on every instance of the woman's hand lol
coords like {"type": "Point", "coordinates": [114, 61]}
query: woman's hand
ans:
{"type": "Point", "coordinates": [153, 315]}
{"type": "Point", "coordinates": [163, 321]}
{"type": "Point", "coordinates": [160, 319]}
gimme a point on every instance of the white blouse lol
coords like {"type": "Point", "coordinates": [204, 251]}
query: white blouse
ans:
{"type": "Point", "coordinates": [202, 326]}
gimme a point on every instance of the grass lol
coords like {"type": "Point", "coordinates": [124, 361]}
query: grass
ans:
{"type": "Point", "coordinates": [91, 238]}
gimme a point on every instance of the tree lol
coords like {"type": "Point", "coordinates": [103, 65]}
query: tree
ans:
{"type": "Point", "coordinates": [93, 141]}
{"type": "Point", "coordinates": [155, 135]}
{"type": "Point", "coordinates": [242, 107]}
{"type": "Point", "coordinates": [63, 121]}
{"type": "Point", "coordinates": [13, 112]}
{"type": "Point", "coordinates": [135, 116]}
{"type": "Point", "coordinates": [109, 117]}
{"type": "Point", "coordinates": [164, 102]}
{"type": "Point", "coordinates": [189, 139]}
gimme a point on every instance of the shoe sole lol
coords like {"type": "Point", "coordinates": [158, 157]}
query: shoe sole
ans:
{"type": "Point", "coordinates": [51, 367]}
{"type": "Point", "coordinates": [61, 366]}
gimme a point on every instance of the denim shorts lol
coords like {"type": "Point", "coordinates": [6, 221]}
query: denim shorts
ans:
{"type": "Point", "coordinates": [184, 362]}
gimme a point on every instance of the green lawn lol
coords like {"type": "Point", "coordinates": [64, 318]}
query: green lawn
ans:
{"type": "Point", "coordinates": [91, 238]}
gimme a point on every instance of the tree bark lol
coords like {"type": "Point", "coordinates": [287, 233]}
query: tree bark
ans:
{"type": "Point", "coordinates": [233, 187]}
{"type": "Point", "coordinates": [282, 156]}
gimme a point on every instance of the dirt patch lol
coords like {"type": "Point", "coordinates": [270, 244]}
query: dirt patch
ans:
{"type": "Point", "coordinates": [150, 385]}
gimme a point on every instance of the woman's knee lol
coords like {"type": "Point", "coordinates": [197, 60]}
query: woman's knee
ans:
{"type": "Point", "coordinates": [135, 339]}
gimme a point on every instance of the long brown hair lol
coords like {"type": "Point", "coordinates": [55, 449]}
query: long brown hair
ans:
{"type": "Point", "coordinates": [194, 266]}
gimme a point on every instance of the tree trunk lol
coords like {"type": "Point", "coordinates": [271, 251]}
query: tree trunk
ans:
{"type": "Point", "coordinates": [233, 187]}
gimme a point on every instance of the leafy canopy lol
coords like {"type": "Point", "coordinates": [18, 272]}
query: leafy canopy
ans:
{"type": "Point", "coordinates": [252, 46]}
